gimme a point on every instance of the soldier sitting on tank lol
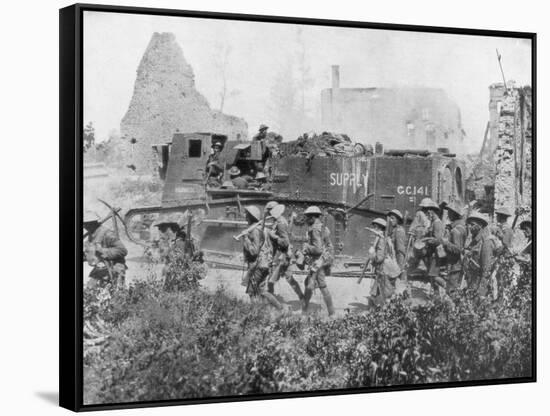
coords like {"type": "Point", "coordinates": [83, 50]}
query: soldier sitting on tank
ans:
{"type": "Point", "coordinates": [257, 252]}
{"type": "Point", "coordinates": [238, 181]}
{"type": "Point", "coordinates": [280, 240]}
{"type": "Point", "coordinates": [214, 175]}
{"type": "Point", "coordinates": [262, 133]}
{"type": "Point", "coordinates": [320, 253]}
{"type": "Point", "coordinates": [261, 182]}
{"type": "Point", "coordinates": [105, 252]}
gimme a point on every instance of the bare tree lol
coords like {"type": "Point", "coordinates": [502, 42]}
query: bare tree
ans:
{"type": "Point", "coordinates": [222, 52]}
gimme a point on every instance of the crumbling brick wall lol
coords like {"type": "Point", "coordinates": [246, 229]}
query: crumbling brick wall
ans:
{"type": "Point", "coordinates": [165, 101]}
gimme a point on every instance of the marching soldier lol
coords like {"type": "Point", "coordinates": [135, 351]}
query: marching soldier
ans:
{"type": "Point", "coordinates": [480, 253]}
{"type": "Point", "coordinates": [399, 240]}
{"type": "Point", "coordinates": [176, 250]}
{"type": "Point", "coordinates": [502, 230]}
{"type": "Point", "coordinates": [434, 240]}
{"type": "Point", "coordinates": [105, 252]}
{"type": "Point", "coordinates": [280, 241]}
{"type": "Point", "coordinates": [319, 249]}
{"type": "Point", "coordinates": [454, 246]}
{"type": "Point", "coordinates": [257, 253]}
{"type": "Point", "coordinates": [383, 287]}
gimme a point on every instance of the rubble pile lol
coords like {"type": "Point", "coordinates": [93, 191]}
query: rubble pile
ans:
{"type": "Point", "coordinates": [324, 144]}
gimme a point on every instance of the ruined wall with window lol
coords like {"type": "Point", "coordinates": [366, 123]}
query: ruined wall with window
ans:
{"type": "Point", "coordinates": [502, 176]}
{"type": "Point", "coordinates": [409, 117]}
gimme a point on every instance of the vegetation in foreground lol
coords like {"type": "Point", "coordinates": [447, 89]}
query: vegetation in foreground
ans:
{"type": "Point", "coordinates": [192, 344]}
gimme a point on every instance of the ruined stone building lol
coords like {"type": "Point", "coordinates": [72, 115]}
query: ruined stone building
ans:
{"type": "Point", "coordinates": [165, 101]}
{"type": "Point", "coordinates": [409, 117]}
{"type": "Point", "coordinates": [502, 176]}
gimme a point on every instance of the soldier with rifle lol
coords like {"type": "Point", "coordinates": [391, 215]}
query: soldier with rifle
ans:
{"type": "Point", "coordinates": [320, 253]}
{"type": "Point", "coordinates": [280, 241]}
{"type": "Point", "coordinates": [399, 240]}
{"type": "Point", "coordinates": [502, 230]}
{"type": "Point", "coordinates": [384, 286]}
{"type": "Point", "coordinates": [435, 254]}
{"type": "Point", "coordinates": [479, 254]}
{"type": "Point", "coordinates": [257, 253]}
{"type": "Point", "coordinates": [454, 246]}
{"type": "Point", "coordinates": [105, 252]}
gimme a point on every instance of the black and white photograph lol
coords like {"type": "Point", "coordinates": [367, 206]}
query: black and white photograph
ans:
{"type": "Point", "coordinates": [272, 207]}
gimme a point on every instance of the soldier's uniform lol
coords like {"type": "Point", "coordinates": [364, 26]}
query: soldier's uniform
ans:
{"type": "Point", "coordinates": [382, 288]}
{"type": "Point", "coordinates": [399, 240]}
{"type": "Point", "coordinates": [280, 242]}
{"type": "Point", "coordinates": [262, 133]}
{"type": "Point", "coordinates": [320, 251]}
{"type": "Point", "coordinates": [257, 252]}
{"type": "Point", "coordinates": [502, 230]}
{"type": "Point", "coordinates": [106, 253]}
{"type": "Point", "coordinates": [454, 247]}
{"type": "Point", "coordinates": [481, 256]}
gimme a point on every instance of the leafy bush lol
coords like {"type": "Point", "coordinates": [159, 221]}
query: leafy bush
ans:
{"type": "Point", "coordinates": [192, 344]}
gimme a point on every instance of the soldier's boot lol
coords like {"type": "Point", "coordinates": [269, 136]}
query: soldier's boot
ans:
{"type": "Point", "coordinates": [328, 301]}
{"type": "Point", "coordinates": [272, 300]}
{"type": "Point", "coordinates": [296, 287]}
{"type": "Point", "coordinates": [308, 293]}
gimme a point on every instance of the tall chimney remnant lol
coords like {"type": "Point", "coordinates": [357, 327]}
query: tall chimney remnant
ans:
{"type": "Point", "coordinates": [335, 77]}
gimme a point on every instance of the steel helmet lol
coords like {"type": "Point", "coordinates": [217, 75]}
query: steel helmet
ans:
{"type": "Point", "coordinates": [455, 208]}
{"type": "Point", "coordinates": [396, 213]}
{"type": "Point", "coordinates": [478, 217]}
{"type": "Point", "coordinates": [260, 175]}
{"type": "Point", "coordinates": [503, 211]}
{"type": "Point", "coordinates": [90, 216]}
{"type": "Point", "coordinates": [271, 205]}
{"type": "Point", "coordinates": [525, 223]}
{"type": "Point", "coordinates": [253, 211]}
{"type": "Point", "coordinates": [277, 211]}
{"type": "Point", "coordinates": [228, 185]}
{"type": "Point", "coordinates": [428, 203]}
{"type": "Point", "coordinates": [217, 144]}
{"type": "Point", "coordinates": [380, 222]}
{"type": "Point", "coordinates": [313, 210]}
{"type": "Point", "coordinates": [234, 171]}
{"type": "Point", "coordinates": [263, 127]}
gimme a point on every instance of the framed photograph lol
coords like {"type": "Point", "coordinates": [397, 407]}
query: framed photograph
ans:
{"type": "Point", "coordinates": [259, 207]}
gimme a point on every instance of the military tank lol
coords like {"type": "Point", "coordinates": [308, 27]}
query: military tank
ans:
{"type": "Point", "coordinates": [350, 189]}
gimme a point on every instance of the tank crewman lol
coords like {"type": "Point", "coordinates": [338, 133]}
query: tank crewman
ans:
{"type": "Point", "coordinates": [454, 246]}
{"type": "Point", "coordinates": [383, 288]}
{"type": "Point", "coordinates": [213, 171]}
{"type": "Point", "coordinates": [105, 252]}
{"type": "Point", "coordinates": [261, 180]}
{"type": "Point", "coordinates": [280, 241]}
{"type": "Point", "coordinates": [320, 252]}
{"type": "Point", "coordinates": [435, 254]}
{"type": "Point", "coordinates": [399, 240]}
{"type": "Point", "coordinates": [238, 181]}
{"type": "Point", "coordinates": [502, 230]}
{"type": "Point", "coordinates": [480, 253]}
{"type": "Point", "coordinates": [257, 252]}
{"type": "Point", "coordinates": [262, 133]}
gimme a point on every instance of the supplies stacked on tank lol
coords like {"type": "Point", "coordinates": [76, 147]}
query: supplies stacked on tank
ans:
{"type": "Point", "coordinates": [324, 144]}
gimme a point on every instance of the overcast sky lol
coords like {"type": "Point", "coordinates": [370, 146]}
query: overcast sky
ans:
{"type": "Point", "coordinates": [464, 66]}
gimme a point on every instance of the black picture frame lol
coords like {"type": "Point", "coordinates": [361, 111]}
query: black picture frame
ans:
{"type": "Point", "coordinates": [71, 200]}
